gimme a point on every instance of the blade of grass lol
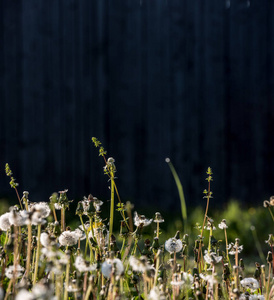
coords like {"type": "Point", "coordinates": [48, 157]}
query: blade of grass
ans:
{"type": "Point", "coordinates": [180, 191]}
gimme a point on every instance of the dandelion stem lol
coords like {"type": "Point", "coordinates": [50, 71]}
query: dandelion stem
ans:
{"type": "Point", "coordinates": [268, 280]}
{"type": "Point", "coordinates": [271, 213]}
{"type": "Point", "coordinates": [201, 238]}
{"type": "Point", "coordinates": [63, 220]}
{"type": "Point", "coordinates": [67, 281]}
{"type": "Point", "coordinates": [111, 208]}
{"type": "Point", "coordinates": [88, 291]}
{"type": "Point", "coordinates": [28, 251]}
{"type": "Point", "coordinates": [226, 245]}
{"type": "Point", "coordinates": [18, 198]}
{"type": "Point", "coordinates": [37, 254]}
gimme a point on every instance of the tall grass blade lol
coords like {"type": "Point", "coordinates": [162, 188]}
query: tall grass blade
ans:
{"type": "Point", "coordinates": [180, 191]}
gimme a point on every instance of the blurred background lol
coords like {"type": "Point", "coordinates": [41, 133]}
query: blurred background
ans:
{"type": "Point", "coordinates": [191, 80]}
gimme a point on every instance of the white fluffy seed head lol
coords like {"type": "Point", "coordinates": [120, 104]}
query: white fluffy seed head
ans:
{"type": "Point", "coordinates": [173, 245]}
{"type": "Point", "coordinates": [68, 238]}
{"type": "Point", "coordinates": [4, 222]}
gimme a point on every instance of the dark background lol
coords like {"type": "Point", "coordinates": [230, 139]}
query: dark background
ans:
{"type": "Point", "coordinates": [187, 79]}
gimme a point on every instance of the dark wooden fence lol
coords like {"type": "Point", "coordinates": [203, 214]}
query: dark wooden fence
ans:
{"type": "Point", "coordinates": [187, 79]}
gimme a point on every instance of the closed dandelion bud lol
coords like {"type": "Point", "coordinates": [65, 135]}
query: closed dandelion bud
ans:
{"type": "Point", "coordinates": [195, 272]}
{"type": "Point", "coordinates": [177, 235]}
{"type": "Point", "coordinates": [185, 239]}
{"type": "Point", "coordinates": [236, 293]}
{"type": "Point", "coordinates": [147, 251]}
{"type": "Point", "coordinates": [184, 251]}
{"type": "Point", "coordinates": [123, 230]}
{"type": "Point", "coordinates": [271, 201]}
{"type": "Point", "coordinates": [266, 203]}
{"type": "Point", "coordinates": [270, 240]}
{"type": "Point", "coordinates": [241, 264]}
{"type": "Point", "coordinates": [135, 279]}
{"type": "Point", "coordinates": [80, 209]}
{"type": "Point", "coordinates": [213, 241]}
{"type": "Point", "coordinates": [257, 273]}
{"type": "Point", "coordinates": [199, 295]}
{"type": "Point", "coordinates": [226, 272]}
{"type": "Point", "coordinates": [269, 258]}
{"type": "Point", "coordinates": [155, 245]}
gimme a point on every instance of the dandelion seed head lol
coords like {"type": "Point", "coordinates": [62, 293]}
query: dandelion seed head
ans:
{"type": "Point", "coordinates": [4, 222]}
{"type": "Point", "coordinates": [68, 238]}
{"type": "Point", "coordinates": [141, 220]}
{"type": "Point", "coordinates": [42, 207]}
{"type": "Point", "coordinates": [83, 266]}
{"type": "Point", "coordinates": [24, 294]}
{"type": "Point", "coordinates": [173, 245]}
{"type": "Point", "coordinates": [138, 265]}
{"type": "Point", "coordinates": [250, 283]}
{"type": "Point", "coordinates": [223, 224]}
{"type": "Point", "coordinates": [11, 272]}
{"type": "Point", "coordinates": [18, 218]}
{"type": "Point", "coordinates": [114, 266]}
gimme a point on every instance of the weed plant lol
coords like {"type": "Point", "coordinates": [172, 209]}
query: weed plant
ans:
{"type": "Point", "coordinates": [43, 258]}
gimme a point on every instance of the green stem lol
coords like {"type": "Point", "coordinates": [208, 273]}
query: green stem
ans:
{"type": "Point", "coordinates": [37, 254]}
{"type": "Point", "coordinates": [86, 233]}
{"type": "Point", "coordinates": [271, 213]}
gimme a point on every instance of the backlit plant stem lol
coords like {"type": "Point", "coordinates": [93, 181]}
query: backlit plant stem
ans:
{"type": "Point", "coordinates": [63, 222]}
{"type": "Point", "coordinates": [37, 254]}
{"type": "Point", "coordinates": [67, 281]}
{"type": "Point", "coordinates": [226, 245]}
{"type": "Point", "coordinates": [111, 207]}
{"type": "Point", "coordinates": [28, 251]}
{"type": "Point", "coordinates": [208, 196]}
{"type": "Point", "coordinates": [202, 231]}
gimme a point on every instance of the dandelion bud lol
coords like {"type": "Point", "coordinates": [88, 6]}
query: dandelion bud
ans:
{"type": "Point", "coordinates": [271, 201]}
{"type": "Point", "coordinates": [185, 239]}
{"type": "Point", "coordinates": [266, 203]}
{"type": "Point", "coordinates": [269, 258]}
{"type": "Point", "coordinates": [177, 235]}
{"type": "Point", "coordinates": [241, 264]}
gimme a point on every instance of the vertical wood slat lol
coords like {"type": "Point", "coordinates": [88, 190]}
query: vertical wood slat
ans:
{"type": "Point", "coordinates": [187, 79]}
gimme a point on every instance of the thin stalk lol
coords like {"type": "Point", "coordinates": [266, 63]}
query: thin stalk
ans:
{"type": "Point", "coordinates": [271, 213]}
{"type": "Point", "coordinates": [226, 245]}
{"type": "Point", "coordinates": [111, 208]}
{"type": "Point", "coordinates": [88, 290]}
{"type": "Point", "coordinates": [67, 281]}
{"type": "Point", "coordinates": [158, 229]}
{"type": "Point", "coordinates": [122, 212]}
{"type": "Point", "coordinates": [200, 244]}
{"type": "Point", "coordinates": [157, 266]}
{"type": "Point", "coordinates": [28, 251]}
{"type": "Point", "coordinates": [268, 280]}
{"type": "Point", "coordinates": [18, 198]}
{"type": "Point", "coordinates": [37, 254]}
{"type": "Point", "coordinates": [87, 239]}
{"type": "Point", "coordinates": [63, 219]}
{"type": "Point", "coordinates": [15, 251]}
